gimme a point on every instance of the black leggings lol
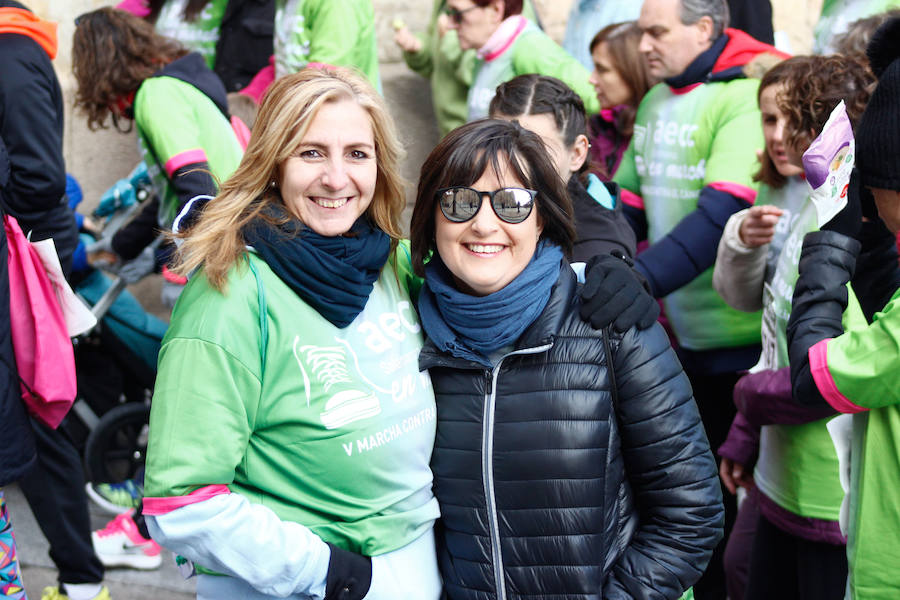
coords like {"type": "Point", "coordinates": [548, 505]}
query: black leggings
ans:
{"type": "Point", "coordinates": [786, 566]}
{"type": "Point", "coordinates": [55, 492]}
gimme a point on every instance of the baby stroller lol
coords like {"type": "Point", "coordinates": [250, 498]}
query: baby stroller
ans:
{"type": "Point", "coordinates": [116, 368]}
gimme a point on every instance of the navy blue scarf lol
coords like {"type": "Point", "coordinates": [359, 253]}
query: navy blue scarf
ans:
{"type": "Point", "coordinates": [472, 327]}
{"type": "Point", "coordinates": [334, 275]}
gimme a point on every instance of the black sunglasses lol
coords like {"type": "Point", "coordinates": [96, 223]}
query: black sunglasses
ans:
{"type": "Point", "coordinates": [510, 204]}
{"type": "Point", "coordinates": [456, 15]}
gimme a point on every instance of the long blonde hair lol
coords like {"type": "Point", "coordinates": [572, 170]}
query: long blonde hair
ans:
{"type": "Point", "coordinates": [288, 108]}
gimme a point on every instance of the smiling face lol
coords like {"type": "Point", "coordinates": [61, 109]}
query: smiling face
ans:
{"type": "Point", "coordinates": [667, 44]}
{"type": "Point", "coordinates": [477, 23]}
{"type": "Point", "coordinates": [610, 88]}
{"type": "Point", "coordinates": [330, 180]}
{"type": "Point", "coordinates": [485, 254]}
{"type": "Point", "coordinates": [774, 122]}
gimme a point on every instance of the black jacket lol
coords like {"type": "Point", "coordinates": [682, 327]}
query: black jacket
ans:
{"type": "Point", "coordinates": [16, 441]}
{"type": "Point", "coordinates": [599, 230]}
{"type": "Point", "coordinates": [245, 41]}
{"type": "Point", "coordinates": [828, 261]}
{"type": "Point", "coordinates": [545, 492]}
{"type": "Point", "coordinates": [31, 125]}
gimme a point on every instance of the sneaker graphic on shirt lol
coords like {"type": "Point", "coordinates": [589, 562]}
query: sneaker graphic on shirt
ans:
{"type": "Point", "coordinates": [327, 366]}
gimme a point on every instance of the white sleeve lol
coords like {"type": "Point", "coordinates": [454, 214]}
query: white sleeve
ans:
{"type": "Point", "coordinates": [230, 535]}
{"type": "Point", "coordinates": [739, 270]}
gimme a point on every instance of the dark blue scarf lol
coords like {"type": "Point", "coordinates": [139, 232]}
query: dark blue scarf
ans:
{"type": "Point", "coordinates": [473, 327]}
{"type": "Point", "coordinates": [334, 275]}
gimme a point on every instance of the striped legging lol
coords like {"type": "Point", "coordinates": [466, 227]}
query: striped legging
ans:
{"type": "Point", "coordinates": [10, 583]}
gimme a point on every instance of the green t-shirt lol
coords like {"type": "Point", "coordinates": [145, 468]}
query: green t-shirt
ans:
{"type": "Point", "coordinates": [864, 366]}
{"type": "Point", "coordinates": [532, 51]}
{"type": "Point", "coordinates": [200, 35]}
{"type": "Point", "coordinates": [333, 32]}
{"type": "Point", "coordinates": [797, 467]}
{"type": "Point", "coordinates": [333, 431]}
{"type": "Point", "coordinates": [683, 142]}
{"type": "Point", "coordinates": [174, 118]}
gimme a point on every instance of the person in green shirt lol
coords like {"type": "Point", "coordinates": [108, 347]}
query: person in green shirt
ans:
{"type": "Point", "coordinates": [435, 54]}
{"type": "Point", "coordinates": [295, 344]}
{"type": "Point", "coordinates": [857, 370]}
{"type": "Point", "coordinates": [792, 540]}
{"type": "Point", "coordinates": [328, 32]}
{"type": "Point", "coordinates": [509, 44]}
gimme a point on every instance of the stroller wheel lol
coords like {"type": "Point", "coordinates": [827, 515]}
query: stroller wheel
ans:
{"type": "Point", "coordinates": [116, 447]}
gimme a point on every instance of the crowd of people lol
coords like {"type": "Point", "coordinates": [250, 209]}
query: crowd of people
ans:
{"type": "Point", "coordinates": [616, 352]}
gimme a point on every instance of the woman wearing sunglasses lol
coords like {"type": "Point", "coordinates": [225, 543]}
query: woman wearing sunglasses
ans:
{"type": "Point", "coordinates": [568, 462]}
{"type": "Point", "coordinates": [508, 44]}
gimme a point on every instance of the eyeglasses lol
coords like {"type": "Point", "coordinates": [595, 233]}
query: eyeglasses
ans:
{"type": "Point", "coordinates": [456, 15]}
{"type": "Point", "coordinates": [511, 204]}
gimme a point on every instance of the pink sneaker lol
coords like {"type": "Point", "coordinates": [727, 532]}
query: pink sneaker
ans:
{"type": "Point", "coordinates": [120, 544]}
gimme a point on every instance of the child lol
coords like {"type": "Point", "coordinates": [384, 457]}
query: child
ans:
{"type": "Point", "coordinates": [794, 545]}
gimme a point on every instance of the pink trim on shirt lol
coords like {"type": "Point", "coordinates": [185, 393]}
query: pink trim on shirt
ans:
{"type": "Point", "coordinates": [735, 189]}
{"type": "Point", "coordinates": [503, 37]}
{"type": "Point", "coordinates": [818, 367]}
{"type": "Point", "coordinates": [257, 87]}
{"type": "Point", "coordinates": [188, 157]}
{"type": "Point", "coordinates": [685, 89]}
{"type": "Point", "coordinates": [138, 8]}
{"type": "Point", "coordinates": [161, 506]}
{"type": "Point", "coordinates": [241, 131]}
{"type": "Point", "coordinates": [632, 199]}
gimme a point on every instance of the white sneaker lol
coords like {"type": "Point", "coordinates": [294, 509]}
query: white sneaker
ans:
{"type": "Point", "coordinates": [120, 544]}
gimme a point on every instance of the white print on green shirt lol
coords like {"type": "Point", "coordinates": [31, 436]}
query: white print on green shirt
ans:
{"type": "Point", "coordinates": [389, 434]}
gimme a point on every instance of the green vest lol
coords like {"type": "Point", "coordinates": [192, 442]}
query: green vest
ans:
{"type": "Point", "coordinates": [864, 364]}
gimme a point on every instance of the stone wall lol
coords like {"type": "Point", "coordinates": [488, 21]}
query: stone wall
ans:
{"type": "Point", "coordinates": [99, 158]}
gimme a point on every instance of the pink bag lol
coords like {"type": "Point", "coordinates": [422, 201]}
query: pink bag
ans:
{"type": "Point", "coordinates": [44, 355]}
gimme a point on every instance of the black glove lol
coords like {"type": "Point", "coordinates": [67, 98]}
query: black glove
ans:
{"type": "Point", "coordinates": [849, 220]}
{"type": "Point", "coordinates": [349, 575]}
{"type": "Point", "coordinates": [613, 294]}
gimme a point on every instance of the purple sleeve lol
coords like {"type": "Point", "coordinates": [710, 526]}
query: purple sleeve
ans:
{"type": "Point", "coordinates": [764, 398]}
{"type": "Point", "coordinates": [742, 443]}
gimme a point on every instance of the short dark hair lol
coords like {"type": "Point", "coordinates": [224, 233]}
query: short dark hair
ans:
{"type": "Point", "coordinates": [510, 7]}
{"type": "Point", "coordinates": [465, 154]}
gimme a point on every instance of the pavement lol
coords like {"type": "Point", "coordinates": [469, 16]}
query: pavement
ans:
{"type": "Point", "coordinates": [38, 571]}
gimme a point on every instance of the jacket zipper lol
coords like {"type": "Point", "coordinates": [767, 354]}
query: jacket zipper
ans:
{"type": "Point", "coordinates": [487, 468]}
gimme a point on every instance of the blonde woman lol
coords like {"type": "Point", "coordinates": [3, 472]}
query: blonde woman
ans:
{"type": "Point", "coordinates": [291, 429]}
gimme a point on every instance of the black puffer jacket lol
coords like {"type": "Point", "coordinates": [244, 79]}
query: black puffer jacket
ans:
{"type": "Point", "coordinates": [828, 261]}
{"type": "Point", "coordinates": [544, 494]}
